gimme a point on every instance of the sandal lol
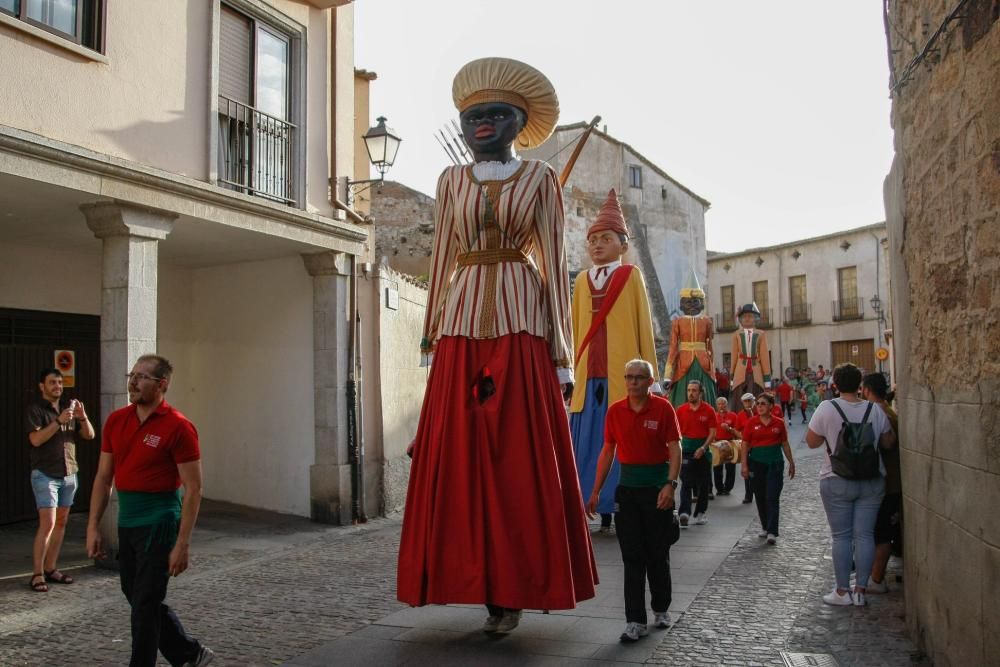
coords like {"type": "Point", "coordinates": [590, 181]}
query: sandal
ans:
{"type": "Point", "coordinates": [38, 586]}
{"type": "Point", "coordinates": [57, 577]}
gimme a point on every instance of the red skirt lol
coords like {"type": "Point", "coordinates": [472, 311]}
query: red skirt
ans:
{"type": "Point", "coordinates": [493, 511]}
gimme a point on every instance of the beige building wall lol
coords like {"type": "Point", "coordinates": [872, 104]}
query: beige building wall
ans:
{"type": "Point", "coordinates": [818, 259]}
{"type": "Point", "coordinates": [241, 364]}
{"type": "Point", "coordinates": [943, 212]}
{"type": "Point", "coordinates": [59, 280]}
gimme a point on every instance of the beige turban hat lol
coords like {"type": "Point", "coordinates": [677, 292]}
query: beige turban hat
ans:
{"type": "Point", "coordinates": [511, 82]}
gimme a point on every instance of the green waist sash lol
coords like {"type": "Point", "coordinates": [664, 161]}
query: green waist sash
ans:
{"type": "Point", "coordinates": [766, 454]}
{"type": "Point", "coordinates": [641, 475]}
{"type": "Point", "coordinates": [138, 508]}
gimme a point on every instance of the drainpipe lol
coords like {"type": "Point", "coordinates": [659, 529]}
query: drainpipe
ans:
{"type": "Point", "coordinates": [355, 432]}
{"type": "Point", "coordinates": [781, 346]}
{"type": "Point", "coordinates": [878, 290]}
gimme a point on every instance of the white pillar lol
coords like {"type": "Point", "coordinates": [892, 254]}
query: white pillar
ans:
{"type": "Point", "coordinates": [330, 476]}
{"type": "Point", "coordinates": [130, 238]}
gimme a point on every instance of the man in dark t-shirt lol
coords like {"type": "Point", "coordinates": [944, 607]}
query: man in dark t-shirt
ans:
{"type": "Point", "coordinates": [52, 424]}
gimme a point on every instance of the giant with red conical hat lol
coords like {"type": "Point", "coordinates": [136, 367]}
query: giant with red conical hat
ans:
{"type": "Point", "coordinates": [610, 218]}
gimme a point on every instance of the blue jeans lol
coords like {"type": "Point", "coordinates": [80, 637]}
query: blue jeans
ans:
{"type": "Point", "coordinates": [767, 480]}
{"type": "Point", "coordinates": [52, 492]}
{"type": "Point", "coordinates": [851, 509]}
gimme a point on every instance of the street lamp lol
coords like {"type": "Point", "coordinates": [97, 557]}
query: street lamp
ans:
{"type": "Point", "coordinates": [382, 144]}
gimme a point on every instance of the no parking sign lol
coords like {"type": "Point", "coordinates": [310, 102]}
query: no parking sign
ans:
{"type": "Point", "coordinates": [65, 361]}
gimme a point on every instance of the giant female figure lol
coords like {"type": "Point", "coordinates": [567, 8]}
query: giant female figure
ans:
{"type": "Point", "coordinates": [493, 512]}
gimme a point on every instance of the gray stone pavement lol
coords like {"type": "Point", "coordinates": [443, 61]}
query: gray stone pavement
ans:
{"type": "Point", "coordinates": [269, 589]}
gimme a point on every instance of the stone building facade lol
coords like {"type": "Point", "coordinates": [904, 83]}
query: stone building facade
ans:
{"type": "Point", "coordinates": [816, 297]}
{"type": "Point", "coordinates": [942, 200]}
{"type": "Point", "coordinates": [404, 228]}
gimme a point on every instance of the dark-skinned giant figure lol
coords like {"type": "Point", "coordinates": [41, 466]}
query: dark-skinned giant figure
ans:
{"type": "Point", "coordinates": [493, 512]}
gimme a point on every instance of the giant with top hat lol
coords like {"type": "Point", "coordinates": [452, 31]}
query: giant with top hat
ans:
{"type": "Point", "coordinates": [507, 81]}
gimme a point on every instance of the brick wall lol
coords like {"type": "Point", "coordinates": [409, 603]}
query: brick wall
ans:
{"type": "Point", "coordinates": [943, 217]}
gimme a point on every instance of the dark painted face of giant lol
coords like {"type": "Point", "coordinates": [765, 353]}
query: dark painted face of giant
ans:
{"type": "Point", "coordinates": [491, 127]}
{"type": "Point", "coordinates": [692, 305]}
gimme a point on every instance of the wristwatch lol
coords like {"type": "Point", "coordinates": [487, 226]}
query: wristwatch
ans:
{"type": "Point", "coordinates": [673, 482]}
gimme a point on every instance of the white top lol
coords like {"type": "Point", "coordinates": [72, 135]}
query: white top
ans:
{"type": "Point", "coordinates": [826, 421]}
{"type": "Point", "coordinates": [600, 274]}
{"type": "Point", "coordinates": [495, 171]}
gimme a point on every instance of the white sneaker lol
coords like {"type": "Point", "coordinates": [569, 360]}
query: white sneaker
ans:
{"type": "Point", "coordinates": [205, 656]}
{"type": "Point", "coordinates": [684, 520]}
{"type": "Point", "coordinates": [859, 599]}
{"type": "Point", "coordinates": [701, 519]}
{"type": "Point", "coordinates": [762, 534]}
{"type": "Point", "coordinates": [772, 539]}
{"type": "Point", "coordinates": [877, 587]}
{"type": "Point", "coordinates": [510, 620]}
{"type": "Point", "coordinates": [661, 619]}
{"type": "Point", "coordinates": [492, 623]}
{"type": "Point", "coordinates": [838, 600]}
{"type": "Point", "coordinates": [606, 530]}
{"type": "Point", "coordinates": [633, 631]}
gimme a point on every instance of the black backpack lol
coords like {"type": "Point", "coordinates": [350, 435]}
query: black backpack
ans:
{"type": "Point", "coordinates": [856, 453]}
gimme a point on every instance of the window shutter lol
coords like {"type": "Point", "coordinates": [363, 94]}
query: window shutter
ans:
{"type": "Point", "coordinates": [234, 56]}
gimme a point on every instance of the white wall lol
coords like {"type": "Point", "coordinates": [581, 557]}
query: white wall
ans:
{"type": "Point", "coordinates": [241, 335]}
{"type": "Point", "coordinates": [64, 281]}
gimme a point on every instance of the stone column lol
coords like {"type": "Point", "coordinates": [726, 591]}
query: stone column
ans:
{"type": "Point", "coordinates": [130, 237]}
{"type": "Point", "coordinates": [330, 475]}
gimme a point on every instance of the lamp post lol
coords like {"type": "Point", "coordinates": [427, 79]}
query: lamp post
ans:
{"type": "Point", "coordinates": [382, 144]}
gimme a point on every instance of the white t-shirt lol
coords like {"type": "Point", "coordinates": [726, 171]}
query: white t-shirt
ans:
{"type": "Point", "coordinates": [826, 421]}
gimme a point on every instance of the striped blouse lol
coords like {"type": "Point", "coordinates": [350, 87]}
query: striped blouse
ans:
{"type": "Point", "coordinates": [519, 219]}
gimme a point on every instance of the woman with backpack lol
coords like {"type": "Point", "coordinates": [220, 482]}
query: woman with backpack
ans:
{"type": "Point", "coordinates": [852, 479]}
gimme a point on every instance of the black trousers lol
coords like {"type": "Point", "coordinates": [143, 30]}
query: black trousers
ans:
{"type": "Point", "coordinates": [144, 580]}
{"type": "Point", "coordinates": [645, 534]}
{"type": "Point", "coordinates": [725, 477]}
{"type": "Point", "coordinates": [767, 480]}
{"type": "Point", "coordinates": [696, 476]}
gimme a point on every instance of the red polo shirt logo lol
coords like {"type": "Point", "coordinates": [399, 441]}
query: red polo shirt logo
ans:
{"type": "Point", "coordinates": [151, 440]}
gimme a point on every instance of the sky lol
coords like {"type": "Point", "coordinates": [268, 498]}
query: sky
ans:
{"type": "Point", "coordinates": [776, 112]}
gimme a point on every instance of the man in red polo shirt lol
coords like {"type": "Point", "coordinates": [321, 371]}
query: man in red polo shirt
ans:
{"type": "Point", "coordinates": [641, 431]}
{"type": "Point", "coordinates": [744, 416]}
{"type": "Point", "coordinates": [698, 426]}
{"type": "Point", "coordinates": [784, 392]}
{"type": "Point", "coordinates": [150, 450]}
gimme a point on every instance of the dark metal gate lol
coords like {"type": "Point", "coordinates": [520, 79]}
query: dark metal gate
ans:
{"type": "Point", "coordinates": [28, 341]}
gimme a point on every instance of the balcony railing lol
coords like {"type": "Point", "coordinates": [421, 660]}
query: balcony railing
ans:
{"type": "Point", "coordinates": [766, 320]}
{"type": "Point", "coordinates": [848, 309]}
{"type": "Point", "coordinates": [255, 152]}
{"type": "Point", "coordinates": [798, 315]}
{"type": "Point", "coordinates": [726, 324]}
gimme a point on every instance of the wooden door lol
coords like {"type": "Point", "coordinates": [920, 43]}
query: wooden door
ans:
{"type": "Point", "coordinates": [28, 341]}
{"type": "Point", "coordinates": [861, 353]}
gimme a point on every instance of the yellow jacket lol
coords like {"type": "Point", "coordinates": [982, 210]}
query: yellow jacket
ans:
{"type": "Point", "coordinates": [630, 335]}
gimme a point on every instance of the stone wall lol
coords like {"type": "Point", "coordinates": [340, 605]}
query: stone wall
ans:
{"type": "Point", "coordinates": [404, 228]}
{"type": "Point", "coordinates": [943, 216]}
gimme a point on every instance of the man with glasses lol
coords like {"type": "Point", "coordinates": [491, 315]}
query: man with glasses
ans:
{"type": "Point", "coordinates": [641, 432]}
{"type": "Point", "coordinates": [149, 449]}
{"type": "Point", "coordinates": [698, 423]}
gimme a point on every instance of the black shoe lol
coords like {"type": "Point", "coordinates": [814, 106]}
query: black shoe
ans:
{"type": "Point", "coordinates": [747, 500]}
{"type": "Point", "coordinates": [711, 496]}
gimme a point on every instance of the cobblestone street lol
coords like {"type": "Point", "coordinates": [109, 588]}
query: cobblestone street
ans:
{"type": "Point", "coordinates": [265, 602]}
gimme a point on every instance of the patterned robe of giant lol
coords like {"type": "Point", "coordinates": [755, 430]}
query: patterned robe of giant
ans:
{"type": "Point", "coordinates": [625, 334]}
{"type": "Point", "coordinates": [751, 363]}
{"type": "Point", "coordinates": [690, 358]}
{"type": "Point", "coordinates": [494, 512]}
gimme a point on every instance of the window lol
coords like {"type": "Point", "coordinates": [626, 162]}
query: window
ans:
{"type": "Point", "coordinates": [760, 298]}
{"type": "Point", "coordinates": [798, 311]}
{"type": "Point", "coordinates": [80, 21]}
{"type": "Point", "coordinates": [849, 306]}
{"type": "Point", "coordinates": [727, 360]}
{"type": "Point", "coordinates": [634, 176]}
{"type": "Point", "coordinates": [800, 359]}
{"type": "Point", "coordinates": [728, 301]}
{"type": "Point", "coordinates": [256, 139]}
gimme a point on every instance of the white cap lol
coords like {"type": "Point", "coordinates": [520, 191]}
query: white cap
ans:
{"type": "Point", "coordinates": [747, 397]}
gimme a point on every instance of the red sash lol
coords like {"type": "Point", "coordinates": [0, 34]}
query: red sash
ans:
{"type": "Point", "coordinates": [615, 286]}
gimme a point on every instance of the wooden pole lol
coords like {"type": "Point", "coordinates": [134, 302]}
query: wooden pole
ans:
{"type": "Point", "coordinates": [564, 176]}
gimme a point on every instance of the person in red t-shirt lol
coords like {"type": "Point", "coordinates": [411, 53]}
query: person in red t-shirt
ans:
{"type": "Point", "coordinates": [785, 393]}
{"type": "Point", "coordinates": [744, 416]}
{"type": "Point", "coordinates": [149, 450]}
{"type": "Point", "coordinates": [698, 426]}
{"type": "Point", "coordinates": [724, 474]}
{"type": "Point", "coordinates": [765, 440]}
{"type": "Point", "coordinates": [641, 431]}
